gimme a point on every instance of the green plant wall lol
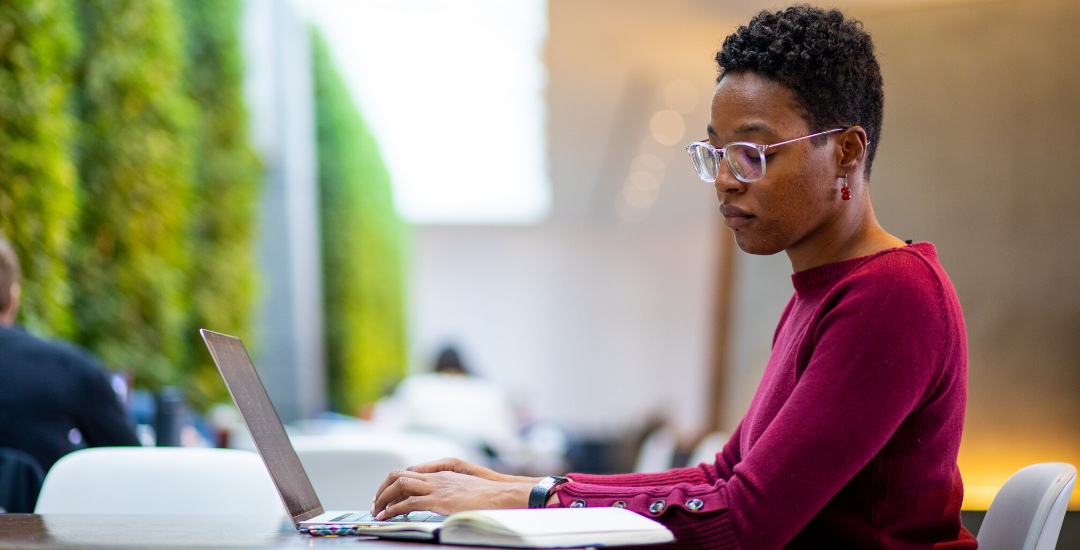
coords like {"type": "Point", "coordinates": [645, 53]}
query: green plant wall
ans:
{"type": "Point", "coordinates": [362, 241]}
{"type": "Point", "coordinates": [127, 182]}
{"type": "Point", "coordinates": [38, 48]}
{"type": "Point", "coordinates": [132, 256]}
{"type": "Point", "coordinates": [223, 282]}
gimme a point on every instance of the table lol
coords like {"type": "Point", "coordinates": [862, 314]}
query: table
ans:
{"type": "Point", "coordinates": [173, 531]}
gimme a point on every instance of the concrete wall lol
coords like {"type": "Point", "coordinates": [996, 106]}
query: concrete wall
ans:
{"type": "Point", "coordinates": [289, 349]}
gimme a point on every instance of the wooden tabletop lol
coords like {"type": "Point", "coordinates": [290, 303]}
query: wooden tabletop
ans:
{"type": "Point", "coordinates": [172, 531]}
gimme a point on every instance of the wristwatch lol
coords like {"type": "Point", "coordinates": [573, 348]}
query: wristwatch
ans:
{"type": "Point", "coordinates": [541, 491]}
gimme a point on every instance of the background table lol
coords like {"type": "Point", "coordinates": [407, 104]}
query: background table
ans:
{"type": "Point", "coordinates": [172, 531]}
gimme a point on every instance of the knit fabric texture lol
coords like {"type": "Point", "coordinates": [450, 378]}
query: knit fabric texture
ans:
{"type": "Point", "coordinates": [852, 437]}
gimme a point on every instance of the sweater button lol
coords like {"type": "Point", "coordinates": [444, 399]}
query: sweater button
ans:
{"type": "Point", "coordinates": [577, 504]}
{"type": "Point", "coordinates": [619, 504]}
{"type": "Point", "coordinates": [657, 506]}
{"type": "Point", "coordinates": [694, 504]}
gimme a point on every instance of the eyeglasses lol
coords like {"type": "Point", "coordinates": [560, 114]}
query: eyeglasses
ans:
{"type": "Point", "coordinates": [745, 159]}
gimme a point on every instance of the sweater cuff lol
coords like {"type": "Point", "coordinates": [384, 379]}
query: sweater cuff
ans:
{"type": "Point", "coordinates": [651, 502]}
{"type": "Point", "coordinates": [697, 515]}
{"type": "Point", "coordinates": [671, 477]}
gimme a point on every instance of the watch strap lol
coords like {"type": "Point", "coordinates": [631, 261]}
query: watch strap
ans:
{"type": "Point", "coordinates": [538, 497]}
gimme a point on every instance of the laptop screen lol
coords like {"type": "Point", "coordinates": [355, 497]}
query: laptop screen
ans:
{"type": "Point", "coordinates": [264, 424]}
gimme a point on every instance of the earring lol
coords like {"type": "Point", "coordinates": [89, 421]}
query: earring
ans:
{"type": "Point", "coordinates": [845, 193]}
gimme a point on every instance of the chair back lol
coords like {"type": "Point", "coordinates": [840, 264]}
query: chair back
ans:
{"type": "Point", "coordinates": [347, 478]}
{"type": "Point", "coordinates": [707, 448]}
{"type": "Point", "coordinates": [159, 480]}
{"type": "Point", "coordinates": [20, 481]}
{"type": "Point", "coordinates": [1027, 512]}
{"type": "Point", "coordinates": [657, 451]}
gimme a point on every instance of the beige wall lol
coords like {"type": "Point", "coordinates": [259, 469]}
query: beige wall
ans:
{"type": "Point", "coordinates": [981, 139]}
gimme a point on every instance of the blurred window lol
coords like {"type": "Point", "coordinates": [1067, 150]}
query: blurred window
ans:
{"type": "Point", "coordinates": [453, 92]}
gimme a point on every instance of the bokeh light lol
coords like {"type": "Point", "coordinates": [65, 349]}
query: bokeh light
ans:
{"type": "Point", "coordinates": [667, 127]}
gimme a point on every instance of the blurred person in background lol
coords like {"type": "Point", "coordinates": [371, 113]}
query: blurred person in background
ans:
{"type": "Point", "coordinates": [852, 438]}
{"type": "Point", "coordinates": [454, 402]}
{"type": "Point", "coordinates": [53, 395]}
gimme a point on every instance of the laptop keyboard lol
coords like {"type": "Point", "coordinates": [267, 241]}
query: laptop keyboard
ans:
{"type": "Point", "coordinates": [410, 517]}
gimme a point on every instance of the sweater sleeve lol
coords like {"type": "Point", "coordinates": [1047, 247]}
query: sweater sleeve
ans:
{"type": "Point", "coordinates": [876, 354]}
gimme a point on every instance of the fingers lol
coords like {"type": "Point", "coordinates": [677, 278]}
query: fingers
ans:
{"type": "Point", "coordinates": [446, 493]}
{"type": "Point", "coordinates": [441, 465]}
{"type": "Point", "coordinates": [401, 507]}
{"type": "Point", "coordinates": [461, 467]}
{"type": "Point", "coordinates": [387, 495]}
{"type": "Point", "coordinates": [457, 466]}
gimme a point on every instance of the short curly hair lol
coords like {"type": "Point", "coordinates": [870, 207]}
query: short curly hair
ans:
{"type": "Point", "coordinates": [826, 59]}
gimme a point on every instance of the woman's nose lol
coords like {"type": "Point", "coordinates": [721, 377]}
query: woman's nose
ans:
{"type": "Point", "coordinates": [726, 182]}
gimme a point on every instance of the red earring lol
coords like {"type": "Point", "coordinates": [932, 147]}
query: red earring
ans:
{"type": "Point", "coordinates": [845, 193]}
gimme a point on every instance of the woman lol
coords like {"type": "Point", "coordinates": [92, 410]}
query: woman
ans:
{"type": "Point", "coordinates": [852, 437]}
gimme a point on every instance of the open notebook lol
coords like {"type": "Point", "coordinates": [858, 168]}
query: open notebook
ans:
{"type": "Point", "coordinates": [544, 527]}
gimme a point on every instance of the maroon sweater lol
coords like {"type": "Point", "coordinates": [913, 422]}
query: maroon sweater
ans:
{"type": "Point", "coordinates": [852, 436]}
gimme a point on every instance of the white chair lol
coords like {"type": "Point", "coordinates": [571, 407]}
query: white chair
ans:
{"type": "Point", "coordinates": [346, 468]}
{"type": "Point", "coordinates": [1027, 512]}
{"type": "Point", "coordinates": [707, 448]}
{"type": "Point", "coordinates": [161, 480]}
{"type": "Point", "coordinates": [346, 479]}
{"type": "Point", "coordinates": [657, 451]}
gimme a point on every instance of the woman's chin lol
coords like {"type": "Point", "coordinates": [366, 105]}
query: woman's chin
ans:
{"type": "Point", "coordinates": [756, 245]}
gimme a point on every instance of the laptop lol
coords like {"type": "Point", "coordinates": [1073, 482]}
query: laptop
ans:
{"type": "Point", "coordinates": [281, 460]}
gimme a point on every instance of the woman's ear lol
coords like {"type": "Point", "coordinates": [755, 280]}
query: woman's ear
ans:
{"type": "Point", "coordinates": [852, 151]}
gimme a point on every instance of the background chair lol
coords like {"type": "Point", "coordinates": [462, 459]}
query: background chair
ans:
{"type": "Point", "coordinates": [162, 480]}
{"type": "Point", "coordinates": [347, 478]}
{"type": "Point", "coordinates": [20, 481]}
{"type": "Point", "coordinates": [657, 451]}
{"type": "Point", "coordinates": [346, 468]}
{"type": "Point", "coordinates": [1027, 512]}
{"type": "Point", "coordinates": [707, 448]}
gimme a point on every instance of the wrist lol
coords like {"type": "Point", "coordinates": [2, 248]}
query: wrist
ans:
{"type": "Point", "coordinates": [518, 494]}
{"type": "Point", "coordinates": [541, 492]}
{"type": "Point", "coordinates": [507, 478]}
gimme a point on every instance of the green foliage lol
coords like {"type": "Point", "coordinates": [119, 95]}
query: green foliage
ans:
{"type": "Point", "coordinates": [131, 261]}
{"type": "Point", "coordinates": [362, 248]}
{"type": "Point", "coordinates": [223, 272]}
{"type": "Point", "coordinates": [38, 45]}
{"type": "Point", "coordinates": [158, 224]}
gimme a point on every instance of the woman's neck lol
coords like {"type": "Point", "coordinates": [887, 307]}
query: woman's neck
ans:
{"type": "Point", "coordinates": [858, 234]}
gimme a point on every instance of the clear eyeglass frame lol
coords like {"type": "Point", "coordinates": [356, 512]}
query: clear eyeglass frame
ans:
{"type": "Point", "coordinates": [745, 159]}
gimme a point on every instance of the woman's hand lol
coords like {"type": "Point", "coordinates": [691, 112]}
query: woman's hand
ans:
{"type": "Point", "coordinates": [446, 491]}
{"type": "Point", "coordinates": [467, 468]}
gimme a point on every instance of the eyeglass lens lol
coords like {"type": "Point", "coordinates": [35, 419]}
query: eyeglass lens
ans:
{"type": "Point", "coordinates": [705, 159]}
{"type": "Point", "coordinates": [745, 162]}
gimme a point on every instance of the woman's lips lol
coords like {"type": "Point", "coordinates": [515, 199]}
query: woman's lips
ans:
{"type": "Point", "coordinates": [735, 216]}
